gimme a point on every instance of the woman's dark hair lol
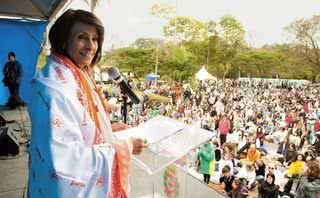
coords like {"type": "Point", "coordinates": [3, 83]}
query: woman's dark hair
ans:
{"type": "Point", "coordinates": [296, 157]}
{"type": "Point", "coordinates": [303, 139]}
{"type": "Point", "coordinates": [293, 146]}
{"type": "Point", "coordinates": [271, 175]}
{"type": "Point", "coordinates": [60, 31]}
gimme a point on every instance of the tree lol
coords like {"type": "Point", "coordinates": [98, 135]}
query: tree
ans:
{"type": "Point", "coordinates": [145, 43]}
{"type": "Point", "coordinates": [161, 10]}
{"type": "Point", "coordinates": [232, 40]}
{"type": "Point", "coordinates": [138, 61]}
{"type": "Point", "coordinates": [224, 69]}
{"type": "Point", "coordinates": [225, 44]}
{"type": "Point", "coordinates": [260, 63]}
{"type": "Point", "coordinates": [306, 32]}
{"type": "Point", "coordinates": [180, 67]}
{"type": "Point", "coordinates": [185, 29]}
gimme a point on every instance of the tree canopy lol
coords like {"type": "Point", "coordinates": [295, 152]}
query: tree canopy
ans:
{"type": "Point", "coordinates": [219, 45]}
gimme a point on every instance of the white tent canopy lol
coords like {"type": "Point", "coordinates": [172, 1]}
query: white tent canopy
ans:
{"type": "Point", "coordinates": [203, 74]}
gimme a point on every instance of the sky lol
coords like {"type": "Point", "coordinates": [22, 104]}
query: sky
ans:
{"type": "Point", "coordinates": [263, 20]}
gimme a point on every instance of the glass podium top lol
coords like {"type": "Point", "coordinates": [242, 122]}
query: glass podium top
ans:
{"type": "Point", "coordinates": [169, 140]}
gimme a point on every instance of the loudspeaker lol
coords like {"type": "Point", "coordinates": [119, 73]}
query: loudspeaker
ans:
{"type": "Point", "coordinates": [9, 142]}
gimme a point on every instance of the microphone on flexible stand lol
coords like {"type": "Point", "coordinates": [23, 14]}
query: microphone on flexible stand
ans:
{"type": "Point", "coordinates": [115, 75]}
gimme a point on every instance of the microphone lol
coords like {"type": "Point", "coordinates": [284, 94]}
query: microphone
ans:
{"type": "Point", "coordinates": [115, 75]}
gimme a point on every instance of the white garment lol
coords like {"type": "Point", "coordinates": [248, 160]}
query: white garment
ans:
{"type": "Point", "coordinates": [223, 163]}
{"type": "Point", "coordinates": [250, 176]}
{"type": "Point", "coordinates": [63, 160]}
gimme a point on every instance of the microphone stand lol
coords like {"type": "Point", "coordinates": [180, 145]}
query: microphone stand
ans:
{"type": "Point", "coordinates": [124, 110]}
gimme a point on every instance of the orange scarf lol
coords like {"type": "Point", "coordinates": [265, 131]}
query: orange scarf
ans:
{"type": "Point", "coordinates": [120, 172]}
{"type": "Point", "coordinates": [84, 93]}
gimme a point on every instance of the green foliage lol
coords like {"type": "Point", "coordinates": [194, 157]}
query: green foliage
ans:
{"type": "Point", "coordinates": [222, 48]}
{"type": "Point", "coordinates": [318, 78]}
{"type": "Point", "coordinates": [161, 10]}
{"type": "Point", "coordinates": [145, 43]}
{"type": "Point", "coordinates": [185, 29]}
{"type": "Point", "coordinates": [138, 61]}
{"type": "Point", "coordinates": [306, 32]}
{"type": "Point", "coordinates": [260, 63]}
{"type": "Point", "coordinates": [180, 67]}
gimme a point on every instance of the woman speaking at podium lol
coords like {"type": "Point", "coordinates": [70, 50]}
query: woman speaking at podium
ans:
{"type": "Point", "coordinates": [72, 151]}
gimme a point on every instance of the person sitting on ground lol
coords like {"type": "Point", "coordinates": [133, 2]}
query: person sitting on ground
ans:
{"type": "Point", "coordinates": [305, 144]}
{"type": "Point", "coordinates": [247, 173]}
{"type": "Point", "coordinates": [297, 166]}
{"type": "Point", "coordinates": [226, 161]}
{"type": "Point", "coordinates": [290, 154]}
{"type": "Point", "coordinates": [260, 168]}
{"type": "Point", "coordinates": [316, 145]}
{"type": "Point", "coordinates": [250, 139]}
{"type": "Point", "coordinates": [253, 154]}
{"type": "Point", "coordinates": [239, 190]}
{"type": "Point", "coordinates": [268, 189]}
{"type": "Point", "coordinates": [278, 172]}
{"type": "Point", "coordinates": [283, 146]}
{"type": "Point", "coordinates": [226, 179]}
{"type": "Point", "coordinates": [309, 185]}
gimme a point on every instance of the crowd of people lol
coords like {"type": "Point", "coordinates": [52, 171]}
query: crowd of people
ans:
{"type": "Point", "coordinates": [269, 136]}
{"type": "Point", "coordinates": [72, 129]}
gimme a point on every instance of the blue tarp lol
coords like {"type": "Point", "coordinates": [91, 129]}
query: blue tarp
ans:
{"type": "Point", "coordinates": [152, 77]}
{"type": "Point", "coordinates": [24, 37]}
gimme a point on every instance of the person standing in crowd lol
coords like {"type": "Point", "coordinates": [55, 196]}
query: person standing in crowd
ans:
{"type": "Point", "coordinates": [224, 128]}
{"type": "Point", "coordinates": [268, 189]}
{"type": "Point", "coordinates": [206, 156]}
{"type": "Point", "coordinates": [73, 152]}
{"type": "Point", "coordinates": [12, 72]}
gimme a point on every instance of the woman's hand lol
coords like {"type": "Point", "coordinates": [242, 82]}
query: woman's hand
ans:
{"type": "Point", "coordinates": [138, 145]}
{"type": "Point", "coordinates": [119, 126]}
{"type": "Point", "coordinates": [111, 107]}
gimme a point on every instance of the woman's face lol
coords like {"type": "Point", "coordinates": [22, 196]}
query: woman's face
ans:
{"type": "Point", "coordinates": [269, 179]}
{"type": "Point", "coordinates": [300, 157]}
{"type": "Point", "coordinates": [83, 44]}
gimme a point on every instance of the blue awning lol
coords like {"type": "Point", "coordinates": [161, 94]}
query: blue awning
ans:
{"type": "Point", "coordinates": [152, 77]}
{"type": "Point", "coordinates": [24, 38]}
{"type": "Point", "coordinates": [35, 9]}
